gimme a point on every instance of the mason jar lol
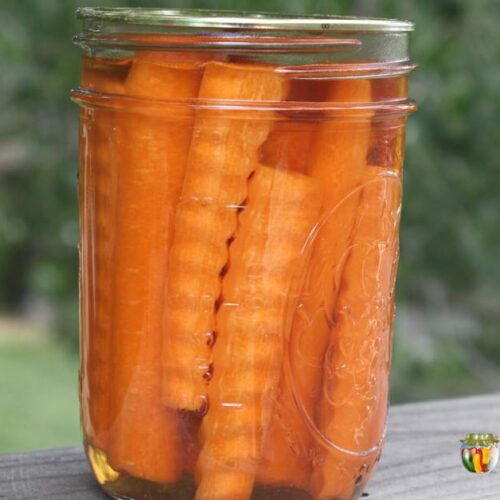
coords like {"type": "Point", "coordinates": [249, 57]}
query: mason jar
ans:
{"type": "Point", "coordinates": [240, 195]}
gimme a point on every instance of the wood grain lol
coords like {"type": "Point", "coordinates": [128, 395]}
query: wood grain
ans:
{"type": "Point", "coordinates": [420, 459]}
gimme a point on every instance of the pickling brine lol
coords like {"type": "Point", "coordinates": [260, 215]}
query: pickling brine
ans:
{"type": "Point", "coordinates": [240, 195]}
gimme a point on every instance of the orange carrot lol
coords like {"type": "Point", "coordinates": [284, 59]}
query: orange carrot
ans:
{"type": "Point", "coordinates": [355, 387]}
{"type": "Point", "coordinates": [338, 158]}
{"type": "Point", "coordinates": [222, 155]}
{"type": "Point", "coordinates": [281, 210]}
{"type": "Point", "coordinates": [104, 75]}
{"type": "Point", "coordinates": [288, 145]}
{"type": "Point", "coordinates": [100, 195]}
{"type": "Point", "coordinates": [388, 143]}
{"type": "Point", "coordinates": [144, 439]}
{"type": "Point", "coordinates": [87, 271]}
{"type": "Point", "coordinates": [390, 89]}
{"type": "Point", "coordinates": [388, 135]}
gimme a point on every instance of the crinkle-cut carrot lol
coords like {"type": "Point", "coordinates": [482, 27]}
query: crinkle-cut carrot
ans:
{"type": "Point", "coordinates": [100, 197]}
{"type": "Point", "coordinates": [288, 145]}
{"type": "Point", "coordinates": [222, 155]}
{"type": "Point", "coordinates": [338, 158]}
{"type": "Point", "coordinates": [151, 158]}
{"type": "Point", "coordinates": [281, 210]}
{"type": "Point", "coordinates": [353, 404]}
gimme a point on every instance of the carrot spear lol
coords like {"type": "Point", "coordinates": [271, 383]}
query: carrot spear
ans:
{"type": "Point", "coordinates": [99, 195]}
{"type": "Point", "coordinates": [281, 210]}
{"type": "Point", "coordinates": [353, 404]}
{"type": "Point", "coordinates": [152, 156]}
{"type": "Point", "coordinates": [338, 159]}
{"type": "Point", "coordinates": [289, 145]}
{"type": "Point", "coordinates": [222, 155]}
{"type": "Point", "coordinates": [388, 134]}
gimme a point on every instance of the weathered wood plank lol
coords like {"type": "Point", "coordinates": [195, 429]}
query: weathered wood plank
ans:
{"type": "Point", "coordinates": [420, 459]}
{"type": "Point", "coordinates": [48, 474]}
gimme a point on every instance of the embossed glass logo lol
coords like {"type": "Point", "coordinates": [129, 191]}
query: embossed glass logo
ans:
{"type": "Point", "coordinates": [479, 452]}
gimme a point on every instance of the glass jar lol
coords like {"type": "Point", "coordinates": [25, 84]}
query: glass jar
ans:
{"type": "Point", "coordinates": [240, 195]}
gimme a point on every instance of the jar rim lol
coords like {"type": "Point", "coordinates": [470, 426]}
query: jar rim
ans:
{"type": "Point", "coordinates": [259, 110]}
{"type": "Point", "coordinates": [227, 19]}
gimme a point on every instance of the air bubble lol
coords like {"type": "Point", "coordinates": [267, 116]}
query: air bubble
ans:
{"type": "Point", "coordinates": [207, 376]}
{"type": "Point", "coordinates": [211, 339]}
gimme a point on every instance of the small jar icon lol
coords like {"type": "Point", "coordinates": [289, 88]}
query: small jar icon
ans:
{"type": "Point", "coordinates": [479, 452]}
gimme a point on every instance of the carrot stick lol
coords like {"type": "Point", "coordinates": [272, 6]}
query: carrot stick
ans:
{"type": "Point", "coordinates": [390, 89]}
{"type": "Point", "coordinates": [338, 158]}
{"type": "Point", "coordinates": [281, 210]}
{"type": "Point", "coordinates": [222, 155]}
{"type": "Point", "coordinates": [100, 194]}
{"type": "Point", "coordinates": [86, 202]}
{"type": "Point", "coordinates": [104, 75]}
{"type": "Point", "coordinates": [152, 153]}
{"type": "Point", "coordinates": [388, 143]}
{"type": "Point", "coordinates": [354, 399]}
{"type": "Point", "coordinates": [288, 145]}
{"type": "Point", "coordinates": [388, 135]}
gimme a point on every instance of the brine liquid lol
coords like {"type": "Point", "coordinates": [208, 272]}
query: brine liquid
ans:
{"type": "Point", "coordinates": [123, 486]}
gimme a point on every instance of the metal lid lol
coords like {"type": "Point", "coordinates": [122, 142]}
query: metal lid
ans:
{"type": "Point", "coordinates": [199, 18]}
{"type": "Point", "coordinates": [484, 439]}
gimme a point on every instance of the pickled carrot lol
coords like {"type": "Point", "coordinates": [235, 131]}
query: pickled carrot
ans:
{"type": "Point", "coordinates": [222, 155]}
{"type": "Point", "coordinates": [353, 404]}
{"type": "Point", "coordinates": [280, 212]}
{"type": "Point", "coordinates": [388, 144]}
{"type": "Point", "coordinates": [99, 189]}
{"type": "Point", "coordinates": [104, 75]}
{"type": "Point", "coordinates": [151, 157]}
{"type": "Point", "coordinates": [338, 158]}
{"type": "Point", "coordinates": [288, 145]}
{"type": "Point", "coordinates": [388, 135]}
{"type": "Point", "coordinates": [391, 88]}
{"type": "Point", "coordinates": [88, 391]}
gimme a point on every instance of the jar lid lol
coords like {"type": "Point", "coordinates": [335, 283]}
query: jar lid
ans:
{"type": "Point", "coordinates": [213, 19]}
{"type": "Point", "coordinates": [484, 439]}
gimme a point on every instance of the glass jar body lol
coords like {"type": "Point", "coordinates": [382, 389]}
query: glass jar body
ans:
{"type": "Point", "coordinates": [239, 246]}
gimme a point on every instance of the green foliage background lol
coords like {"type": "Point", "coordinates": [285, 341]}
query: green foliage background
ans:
{"type": "Point", "coordinates": [447, 335]}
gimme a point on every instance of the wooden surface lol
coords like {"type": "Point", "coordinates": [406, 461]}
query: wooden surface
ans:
{"type": "Point", "coordinates": [421, 459]}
